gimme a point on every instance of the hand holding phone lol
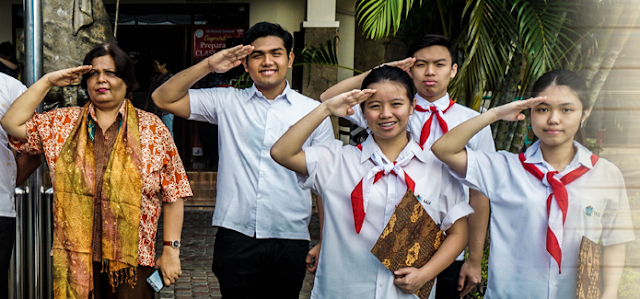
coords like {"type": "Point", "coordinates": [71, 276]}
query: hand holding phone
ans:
{"type": "Point", "coordinates": [155, 280]}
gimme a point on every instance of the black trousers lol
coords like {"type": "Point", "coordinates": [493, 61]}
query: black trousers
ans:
{"type": "Point", "coordinates": [447, 286]}
{"type": "Point", "coordinates": [7, 239]}
{"type": "Point", "coordinates": [249, 268]}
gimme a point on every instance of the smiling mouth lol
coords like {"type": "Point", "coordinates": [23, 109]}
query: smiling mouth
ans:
{"type": "Point", "coordinates": [387, 125]}
{"type": "Point", "coordinates": [268, 72]}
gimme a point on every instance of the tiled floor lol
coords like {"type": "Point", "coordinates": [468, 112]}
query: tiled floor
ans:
{"type": "Point", "coordinates": [196, 255]}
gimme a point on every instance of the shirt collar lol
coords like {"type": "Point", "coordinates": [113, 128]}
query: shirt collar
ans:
{"type": "Point", "coordinates": [121, 111]}
{"type": "Point", "coordinates": [441, 103]}
{"type": "Point", "coordinates": [286, 93]}
{"type": "Point", "coordinates": [369, 146]}
{"type": "Point", "coordinates": [533, 155]}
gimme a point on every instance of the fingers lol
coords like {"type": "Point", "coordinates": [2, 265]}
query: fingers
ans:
{"type": "Point", "coordinates": [467, 289]}
{"type": "Point", "coordinates": [402, 271]}
{"type": "Point", "coordinates": [241, 51]}
{"type": "Point", "coordinates": [359, 96]}
{"type": "Point", "coordinates": [461, 280]}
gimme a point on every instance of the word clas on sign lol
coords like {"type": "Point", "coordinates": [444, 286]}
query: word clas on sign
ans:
{"type": "Point", "coordinates": [209, 40]}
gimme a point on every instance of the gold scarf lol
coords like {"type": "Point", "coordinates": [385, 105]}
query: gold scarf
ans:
{"type": "Point", "coordinates": [74, 205]}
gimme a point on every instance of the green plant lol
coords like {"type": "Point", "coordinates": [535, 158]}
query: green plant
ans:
{"type": "Point", "coordinates": [323, 54]}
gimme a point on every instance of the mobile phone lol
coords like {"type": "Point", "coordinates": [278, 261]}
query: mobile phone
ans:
{"type": "Point", "coordinates": [155, 280]}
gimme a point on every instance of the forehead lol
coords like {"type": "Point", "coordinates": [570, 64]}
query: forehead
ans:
{"type": "Point", "coordinates": [103, 62]}
{"type": "Point", "coordinates": [560, 95]}
{"type": "Point", "coordinates": [387, 90]}
{"type": "Point", "coordinates": [268, 43]}
{"type": "Point", "coordinates": [433, 53]}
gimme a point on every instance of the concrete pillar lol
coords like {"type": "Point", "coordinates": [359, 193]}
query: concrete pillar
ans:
{"type": "Point", "coordinates": [320, 26]}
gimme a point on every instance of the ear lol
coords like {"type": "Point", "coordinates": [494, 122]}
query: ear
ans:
{"type": "Point", "coordinates": [585, 115]}
{"type": "Point", "coordinates": [413, 106]}
{"type": "Point", "coordinates": [454, 70]}
{"type": "Point", "coordinates": [291, 58]}
{"type": "Point", "coordinates": [244, 63]}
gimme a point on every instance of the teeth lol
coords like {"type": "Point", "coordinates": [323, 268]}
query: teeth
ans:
{"type": "Point", "coordinates": [387, 124]}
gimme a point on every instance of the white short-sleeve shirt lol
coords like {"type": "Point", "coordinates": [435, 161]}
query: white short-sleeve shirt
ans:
{"type": "Point", "coordinates": [10, 89]}
{"type": "Point", "coordinates": [255, 195]}
{"type": "Point", "coordinates": [519, 264]}
{"type": "Point", "coordinates": [346, 266]}
{"type": "Point", "coordinates": [457, 114]}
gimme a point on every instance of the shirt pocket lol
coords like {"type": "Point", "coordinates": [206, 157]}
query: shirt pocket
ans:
{"type": "Point", "coordinates": [591, 210]}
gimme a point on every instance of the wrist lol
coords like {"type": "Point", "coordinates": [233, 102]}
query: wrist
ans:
{"type": "Point", "coordinates": [474, 261]}
{"type": "Point", "coordinates": [174, 244]}
{"type": "Point", "coordinates": [325, 110]}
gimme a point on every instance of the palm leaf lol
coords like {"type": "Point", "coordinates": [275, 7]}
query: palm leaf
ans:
{"type": "Point", "coordinates": [323, 54]}
{"type": "Point", "coordinates": [379, 17]}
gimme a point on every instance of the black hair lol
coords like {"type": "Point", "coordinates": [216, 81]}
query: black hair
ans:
{"type": "Point", "coordinates": [160, 56]}
{"type": "Point", "coordinates": [264, 29]}
{"type": "Point", "coordinates": [124, 65]}
{"type": "Point", "coordinates": [430, 40]}
{"type": "Point", "coordinates": [7, 50]}
{"type": "Point", "coordinates": [566, 78]}
{"type": "Point", "coordinates": [392, 74]}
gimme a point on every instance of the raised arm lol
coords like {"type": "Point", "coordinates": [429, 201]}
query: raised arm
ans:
{"type": "Point", "coordinates": [287, 151]}
{"type": "Point", "coordinates": [355, 82]}
{"type": "Point", "coordinates": [450, 147]}
{"type": "Point", "coordinates": [22, 108]}
{"type": "Point", "coordinates": [173, 95]}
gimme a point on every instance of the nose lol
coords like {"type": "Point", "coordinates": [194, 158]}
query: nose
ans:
{"type": "Point", "coordinates": [101, 77]}
{"type": "Point", "coordinates": [554, 117]}
{"type": "Point", "coordinates": [268, 60]}
{"type": "Point", "coordinates": [430, 69]}
{"type": "Point", "coordinates": [386, 112]}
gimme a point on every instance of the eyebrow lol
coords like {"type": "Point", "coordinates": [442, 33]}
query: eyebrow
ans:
{"type": "Point", "coordinates": [272, 50]}
{"type": "Point", "coordinates": [563, 104]}
{"type": "Point", "coordinates": [437, 60]}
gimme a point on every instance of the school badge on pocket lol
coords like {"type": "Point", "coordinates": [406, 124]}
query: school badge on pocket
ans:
{"type": "Point", "coordinates": [589, 210]}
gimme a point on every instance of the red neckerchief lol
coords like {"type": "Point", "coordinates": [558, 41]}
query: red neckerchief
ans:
{"type": "Point", "coordinates": [426, 128]}
{"type": "Point", "coordinates": [357, 196]}
{"type": "Point", "coordinates": [560, 193]}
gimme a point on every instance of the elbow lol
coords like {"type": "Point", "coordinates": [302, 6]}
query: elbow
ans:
{"type": "Point", "coordinates": [324, 96]}
{"type": "Point", "coordinates": [156, 97]}
{"type": "Point", "coordinates": [275, 154]}
{"type": "Point", "coordinates": [5, 123]}
{"type": "Point", "coordinates": [437, 150]}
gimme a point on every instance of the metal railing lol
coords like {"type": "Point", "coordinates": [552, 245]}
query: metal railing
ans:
{"type": "Point", "coordinates": [32, 271]}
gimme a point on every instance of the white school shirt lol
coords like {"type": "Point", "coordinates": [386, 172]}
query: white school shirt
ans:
{"type": "Point", "coordinates": [457, 114]}
{"type": "Point", "coordinates": [519, 264]}
{"type": "Point", "coordinates": [346, 267]}
{"type": "Point", "coordinates": [255, 195]}
{"type": "Point", "coordinates": [10, 89]}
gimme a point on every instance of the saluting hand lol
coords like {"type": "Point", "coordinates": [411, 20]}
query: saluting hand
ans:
{"type": "Point", "coordinates": [512, 111]}
{"type": "Point", "coordinates": [224, 60]}
{"type": "Point", "coordinates": [404, 64]}
{"type": "Point", "coordinates": [341, 104]}
{"type": "Point", "coordinates": [68, 76]}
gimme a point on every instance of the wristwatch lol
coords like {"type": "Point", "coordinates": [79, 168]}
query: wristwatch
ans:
{"type": "Point", "coordinates": [175, 244]}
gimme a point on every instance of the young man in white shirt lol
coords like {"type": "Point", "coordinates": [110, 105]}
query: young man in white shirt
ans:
{"type": "Point", "coordinates": [14, 170]}
{"type": "Point", "coordinates": [432, 65]}
{"type": "Point", "coordinates": [261, 212]}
